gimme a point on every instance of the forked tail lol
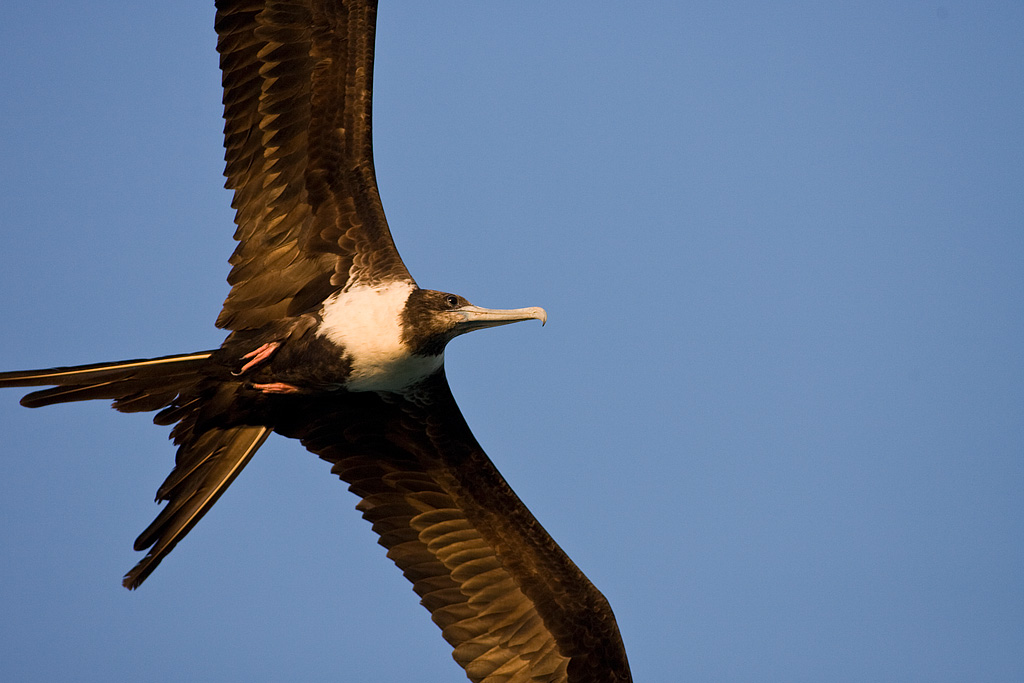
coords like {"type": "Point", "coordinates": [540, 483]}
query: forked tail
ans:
{"type": "Point", "coordinates": [209, 456]}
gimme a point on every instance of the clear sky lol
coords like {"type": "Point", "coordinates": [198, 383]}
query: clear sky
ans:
{"type": "Point", "coordinates": [776, 413]}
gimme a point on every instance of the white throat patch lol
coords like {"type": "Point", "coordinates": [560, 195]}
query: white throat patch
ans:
{"type": "Point", "coordinates": [367, 322]}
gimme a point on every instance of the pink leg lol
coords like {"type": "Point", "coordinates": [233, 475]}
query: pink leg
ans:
{"type": "Point", "coordinates": [259, 355]}
{"type": "Point", "coordinates": [277, 388]}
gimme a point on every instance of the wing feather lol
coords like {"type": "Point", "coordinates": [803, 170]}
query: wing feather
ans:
{"type": "Point", "coordinates": [510, 602]}
{"type": "Point", "coordinates": [297, 80]}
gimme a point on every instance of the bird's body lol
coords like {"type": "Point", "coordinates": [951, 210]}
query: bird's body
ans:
{"type": "Point", "coordinates": [332, 342]}
{"type": "Point", "coordinates": [368, 323]}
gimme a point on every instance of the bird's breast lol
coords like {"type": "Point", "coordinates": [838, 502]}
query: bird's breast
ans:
{"type": "Point", "coordinates": [365, 324]}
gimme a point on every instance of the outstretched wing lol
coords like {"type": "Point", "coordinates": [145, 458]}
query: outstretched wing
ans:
{"type": "Point", "coordinates": [510, 602]}
{"type": "Point", "coordinates": [298, 82]}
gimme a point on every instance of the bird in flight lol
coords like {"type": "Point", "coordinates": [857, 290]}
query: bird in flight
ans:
{"type": "Point", "coordinates": [332, 342]}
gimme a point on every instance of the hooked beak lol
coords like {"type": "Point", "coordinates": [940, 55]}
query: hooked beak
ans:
{"type": "Point", "coordinates": [476, 318]}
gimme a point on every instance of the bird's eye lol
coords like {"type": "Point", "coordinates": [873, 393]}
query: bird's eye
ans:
{"type": "Point", "coordinates": [451, 300]}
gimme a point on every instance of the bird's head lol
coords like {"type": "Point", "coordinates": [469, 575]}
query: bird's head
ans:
{"type": "Point", "coordinates": [431, 319]}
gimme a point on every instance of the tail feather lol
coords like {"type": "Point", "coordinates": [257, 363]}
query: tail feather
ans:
{"type": "Point", "coordinates": [210, 453]}
{"type": "Point", "coordinates": [67, 394]}
{"type": "Point", "coordinates": [226, 452]}
{"type": "Point", "coordinates": [176, 413]}
{"type": "Point", "coordinates": [135, 385]}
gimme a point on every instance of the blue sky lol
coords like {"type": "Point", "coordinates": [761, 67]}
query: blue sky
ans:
{"type": "Point", "coordinates": [776, 414]}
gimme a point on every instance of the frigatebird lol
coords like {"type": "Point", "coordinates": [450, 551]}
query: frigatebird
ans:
{"type": "Point", "coordinates": [332, 342]}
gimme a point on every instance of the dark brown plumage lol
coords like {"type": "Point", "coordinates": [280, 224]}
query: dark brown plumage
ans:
{"type": "Point", "coordinates": [297, 113]}
{"type": "Point", "coordinates": [297, 82]}
{"type": "Point", "coordinates": [510, 602]}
